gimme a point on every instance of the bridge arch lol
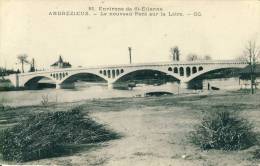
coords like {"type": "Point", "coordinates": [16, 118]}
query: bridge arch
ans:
{"type": "Point", "coordinates": [181, 69]}
{"type": "Point", "coordinates": [194, 70]}
{"type": "Point", "coordinates": [188, 71]}
{"type": "Point", "coordinates": [175, 70]}
{"type": "Point", "coordinates": [33, 82]}
{"type": "Point", "coordinates": [82, 75]}
{"type": "Point", "coordinates": [167, 72]}
{"type": "Point", "coordinates": [200, 72]}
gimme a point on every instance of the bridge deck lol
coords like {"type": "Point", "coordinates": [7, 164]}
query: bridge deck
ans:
{"type": "Point", "coordinates": [177, 63]}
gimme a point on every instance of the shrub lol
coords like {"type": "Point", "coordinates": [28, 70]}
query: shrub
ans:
{"type": "Point", "coordinates": [2, 107]}
{"type": "Point", "coordinates": [256, 154]}
{"type": "Point", "coordinates": [223, 131]}
{"type": "Point", "coordinates": [45, 100]}
{"type": "Point", "coordinates": [45, 134]}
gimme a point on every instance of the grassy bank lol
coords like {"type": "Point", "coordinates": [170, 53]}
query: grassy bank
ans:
{"type": "Point", "coordinates": [154, 129]}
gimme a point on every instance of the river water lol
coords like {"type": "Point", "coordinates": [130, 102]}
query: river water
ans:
{"type": "Point", "coordinates": [84, 91]}
{"type": "Point", "coordinates": [80, 92]}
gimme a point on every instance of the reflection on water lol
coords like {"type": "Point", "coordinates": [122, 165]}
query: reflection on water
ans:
{"type": "Point", "coordinates": [84, 91]}
{"type": "Point", "coordinates": [80, 92]}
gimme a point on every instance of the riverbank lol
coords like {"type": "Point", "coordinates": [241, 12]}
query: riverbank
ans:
{"type": "Point", "coordinates": [154, 129]}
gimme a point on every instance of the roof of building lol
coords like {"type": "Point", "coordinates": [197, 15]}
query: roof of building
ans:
{"type": "Point", "coordinates": [65, 64]}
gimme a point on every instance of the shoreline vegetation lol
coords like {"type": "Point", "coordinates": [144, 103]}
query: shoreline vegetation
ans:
{"type": "Point", "coordinates": [154, 129]}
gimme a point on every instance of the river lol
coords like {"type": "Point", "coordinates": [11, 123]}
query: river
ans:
{"type": "Point", "coordinates": [80, 92]}
{"type": "Point", "coordinates": [84, 91]}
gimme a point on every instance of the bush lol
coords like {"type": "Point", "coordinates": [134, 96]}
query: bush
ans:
{"type": "Point", "coordinates": [45, 134]}
{"type": "Point", "coordinates": [256, 154]}
{"type": "Point", "coordinates": [223, 131]}
{"type": "Point", "coordinates": [45, 100]}
{"type": "Point", "coordinates": [4, 107]}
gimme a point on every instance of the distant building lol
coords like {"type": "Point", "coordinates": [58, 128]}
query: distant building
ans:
{"type": "Point", "coordinates": [60, 64]}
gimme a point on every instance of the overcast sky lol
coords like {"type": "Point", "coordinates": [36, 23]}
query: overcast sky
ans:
{"type": "Point", "coordinates": [26, 27]}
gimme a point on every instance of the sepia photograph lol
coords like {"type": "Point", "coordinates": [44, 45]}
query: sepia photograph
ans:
{"type": "Point", "coordinates": [130, 83]}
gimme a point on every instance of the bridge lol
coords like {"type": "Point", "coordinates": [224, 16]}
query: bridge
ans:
{"type": "Point", "coordinates": [182, 71]}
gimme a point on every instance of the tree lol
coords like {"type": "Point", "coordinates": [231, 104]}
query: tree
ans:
{"type": "Point", "coordinates": [192, 57]}
{"type": "Point", "coordinates": [240, 58]}
{"type": "Point", "coordinates": [251, 55]}
{"type": "Point", "coordinates": [175, 53]}
{"type": "Point", "coordinates": [207, 57]}
{"type": "Point", "coordinates": [2, 72]}
{"type": "Point", "coordinates": [195, 57]}
{"type": "Point", "coordinates": [22, 58]}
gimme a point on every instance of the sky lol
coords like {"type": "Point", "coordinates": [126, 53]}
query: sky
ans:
{"type": "Point", "coordinates": [26, 27]}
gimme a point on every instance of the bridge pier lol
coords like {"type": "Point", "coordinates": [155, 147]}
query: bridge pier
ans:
{"type": "Point", "coordinates": [110, 85]}
{"type": "Point", "coordinates": [58, 86]}
{"type": "Point", "coordinates": [16, 81]}
{"type": "Point", "coordinates": [184, 85]}
{"type": "Point", "coordinates": [65, 86]}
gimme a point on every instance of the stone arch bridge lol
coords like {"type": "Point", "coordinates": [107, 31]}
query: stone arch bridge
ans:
{"type": "Point", "coordinates": [184, 72]}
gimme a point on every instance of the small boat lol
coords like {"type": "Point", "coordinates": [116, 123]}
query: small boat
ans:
{"type": "Point", "coordinates": [157, 93]}
{"type": "Point", "coordinates": [214, 88]}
